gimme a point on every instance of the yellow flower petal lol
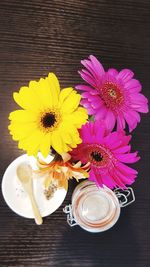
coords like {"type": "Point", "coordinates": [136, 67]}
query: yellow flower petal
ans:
{"type": "Point", "coordinates": [78, 117]}
{"type": "Point", "coordinates": [71, 102]}
{"type": "Point", "coordinates": [43, 92]}
{"type": "Point", "coordinates": [20, 130]}
{"type": "Point", "coordinates": [26, 99]}
{"type": "Point", "coordinates": [54, 86]}
{"type": "Point", "coordinates": [65, 134]}
{"type": "Point", "coordinates": [34, 139]}
{"type": "Point", "coordinates": [45, 145]}
{"type": "Point", "coordinates": [57, 142]}
{"type": "Point", "coordinates": [64, 94]}
{"type": "Point", "coordinates": [22, 116]}
{"type": "Point", "coordinates": [70, 135]}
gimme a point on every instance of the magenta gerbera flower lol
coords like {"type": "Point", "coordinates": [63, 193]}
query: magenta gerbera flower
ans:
{"type": "Point", "coordinates": [112, 96]}
{"type": "Point", "coordinates": [107, 153]}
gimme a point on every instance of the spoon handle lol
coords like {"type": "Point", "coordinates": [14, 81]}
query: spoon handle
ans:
{"type": "Point", "coordinates": [37, 215]}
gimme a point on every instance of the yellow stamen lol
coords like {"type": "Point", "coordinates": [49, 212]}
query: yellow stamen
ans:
{"type": "Point", "coordinates": [112, 93]}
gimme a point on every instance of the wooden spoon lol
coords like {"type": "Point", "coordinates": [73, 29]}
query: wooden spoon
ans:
{"type": "Point", "coordinates": [24, 172]}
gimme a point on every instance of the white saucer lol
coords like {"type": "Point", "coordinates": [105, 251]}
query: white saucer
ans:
{"type": "Point", "coordinates": [17, 199]}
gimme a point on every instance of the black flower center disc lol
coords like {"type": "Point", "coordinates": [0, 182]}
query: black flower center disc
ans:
{"type": "Point", "coordinates": [48, 120]}
{"type": "Point", "coordinates": [96, 156]}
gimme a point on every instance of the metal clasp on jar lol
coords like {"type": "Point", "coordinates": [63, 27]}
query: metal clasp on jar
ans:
{"type": "Point", "coordinates": [70, 219]}
{"type": "Point", "coordinates": [125, 197]}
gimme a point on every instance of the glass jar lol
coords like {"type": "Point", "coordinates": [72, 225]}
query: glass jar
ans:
{"type": "Point", "coordinates": [95, 209]}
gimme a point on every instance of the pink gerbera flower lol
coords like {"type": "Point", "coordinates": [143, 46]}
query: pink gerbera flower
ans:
{"type": "Point", "coordinates": [107, 152]}
{"type": "Point", "coordinates": [112, 96]}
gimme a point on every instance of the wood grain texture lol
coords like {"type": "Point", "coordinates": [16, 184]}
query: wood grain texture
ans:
{"type": "Point", "coordinates": [40, 36]}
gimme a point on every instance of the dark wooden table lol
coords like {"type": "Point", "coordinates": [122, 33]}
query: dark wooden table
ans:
{"type": "Point", "coordinates": [41, 36]}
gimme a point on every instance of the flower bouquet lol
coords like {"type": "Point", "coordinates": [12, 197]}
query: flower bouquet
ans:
{"type": "Point", "coordinates": [85, 133]}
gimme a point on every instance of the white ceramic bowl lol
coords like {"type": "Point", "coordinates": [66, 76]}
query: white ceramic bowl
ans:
{"type": "Point", "coordinates": [18, 200]}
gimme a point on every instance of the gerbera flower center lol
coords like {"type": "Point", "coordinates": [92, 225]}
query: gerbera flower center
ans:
{"type": "Point", "coordinates": [49, 120]}
{"type": "Point", "coordinates": [112, 95]}
{"type": "Point", "coordinates": [98, 155]}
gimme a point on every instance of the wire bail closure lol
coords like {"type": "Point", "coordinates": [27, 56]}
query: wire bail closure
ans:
{"type": "Point", "coordinates": [70, 218]}
{"type": "Point", "coordinates": [125, 197]}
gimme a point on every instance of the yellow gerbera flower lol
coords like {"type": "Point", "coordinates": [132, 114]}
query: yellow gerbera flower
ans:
{"type": "Point", "coordinates": [49, 118]}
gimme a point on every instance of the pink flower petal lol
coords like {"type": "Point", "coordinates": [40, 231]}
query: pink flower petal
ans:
{"type": "Point", "coordinates": [112, 72]}
{"type": "Point", "coordinates": [122, 149]}
{"type": "Point", "coordinates": [109, 78]}
{"type": "Point", "coordinates": [138, 98]}
{"type": "Point", "coordinates": [126, 169]}
{"type": "Point", "coordinates": [87, 78]}
{"type": "Point", "coordinates": [94, 92]}
{"type": "Point", "coordinates": [128, 180]}
{"type": "Point", "coordinates": [110, 120]}
{"type": "Point", "coordinates": [93, 98]}
{"type": "Point", "coordinates": [101, 130]}
{"type": "Point", "coordinates": [101, 113]}
{"type": "Point", "coordinates": [91, 111]}
{"type": "Point", "coordinates": [120, 122]}
{"type": "Point", "coordinates": [132, 121]}
{"type": "Point", "coordinates": [116, 139]}
{"type": "Point", "coordinates": [112, 141]}
{"type": "Point", "coordinates": [88, 64]}
{"type": "Point", "coordinates": [117, 179]}
{"type": "Point", "coordinates": [83, 87]}
{"type": "Point", "coordinates": [97, 103]}
{"type": "Point", "coordinates": [85, 103]}
{"type": "Point", "coordinates": [125, 75]}
{"type": "Point", "coordinates": [95, 177]}
{"type": "Point", "coordinates": [98, 177]}
{"type": "Point", "coordinates": [141, 108]}
{"type": "Point", "coordinates": [135, 115]}
{"type": "Point", "coordinates": [128, 158]}
{"type": "Point", "coordinates": [92, 176]}
{"type": "Point", "coordinates": [133, 86]}
{"type": "Point", "coordinates": [97, 65]}
{"type": "Point", "coordinates": [107, 180]}
{"type": "Point", "coordinates": [88, 74]}
{"type": "Point", "coordinates": [86, 95]}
